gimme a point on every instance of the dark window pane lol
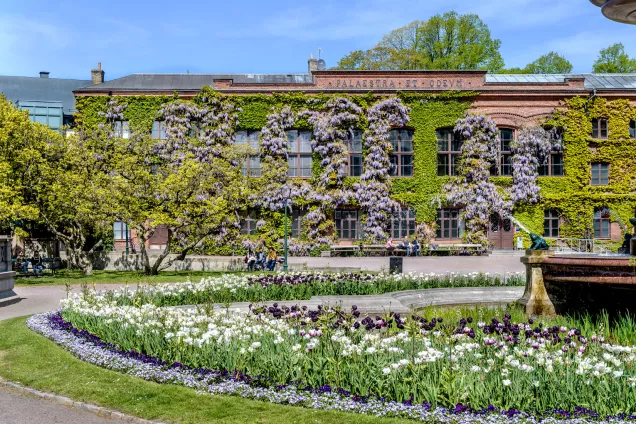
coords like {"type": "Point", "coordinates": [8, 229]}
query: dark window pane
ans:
{"type": "Point", "coordinates": [442, 165]}
{"type": "Point", "coordinates": [407, 166]}
{"type": "Point", "coordinates": [393, 170]}
{"type": "Point", "coordinates": [506, 165]}
{"type": "Point", "coordinates": [305, 166]}
{"type": "Point", "coordinates": [603, 129]}
{"type": "Point", "coordinates": [305, 141]}
{"type": "Point", "coordinates": [454, 164]}
{"type": "Point", "coordinates": [557, 164]}
{"type": "Point", "coordinates": [356, 165]}
{"type": "Point", "coordinates": [632, 129]}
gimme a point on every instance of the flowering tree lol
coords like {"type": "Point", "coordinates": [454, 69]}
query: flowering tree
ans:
{"type": "Point", "coordinates": [472, 189]}
{"type": "Point", "coordinates": [373, 192]}
{"type": "Point", "coordinates": [531, 149]}
{"type": "Point", "coordinates": [330, 125]}
{"type": "Point", "coordinates": [190, 183]}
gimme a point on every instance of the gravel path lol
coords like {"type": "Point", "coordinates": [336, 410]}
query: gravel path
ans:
{"type": "Point", "coordinates": [16, 408]}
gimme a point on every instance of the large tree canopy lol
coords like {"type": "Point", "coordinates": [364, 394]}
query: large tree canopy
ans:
{"type": "Point", "coordinates": [551, 63]}
{"type": "Point", "coordinates": [614, 60]}
{"type": "Point", "coordinates": [448, 41]}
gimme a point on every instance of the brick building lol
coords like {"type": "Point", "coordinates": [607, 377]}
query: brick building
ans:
{"type": "Point", "coordinates": [513, 101]}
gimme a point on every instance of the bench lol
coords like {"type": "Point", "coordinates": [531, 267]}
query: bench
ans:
{"type": "Point", "coordinates": [455, 249]}
{"type": "Point", "coordinates": [336, 250]}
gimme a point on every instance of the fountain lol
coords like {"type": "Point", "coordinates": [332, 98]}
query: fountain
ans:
{"type": "Point", "coordinates": [558, 283]}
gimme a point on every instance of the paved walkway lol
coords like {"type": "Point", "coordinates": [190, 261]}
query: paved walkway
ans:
{"type": "Point", "coordinates": [46, 298]}
{"type": "Point", "coordinates": [404, 301]}
{"type": "Point", "coordinates": [16, 408]}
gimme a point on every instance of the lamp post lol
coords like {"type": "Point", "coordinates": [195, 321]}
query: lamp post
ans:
{"type": "Point", "coordinates": [126, 229]}
{"type": "Point", "coordinates": [286, 195]}
{"type": "Point", "coordinates": [285, 267]}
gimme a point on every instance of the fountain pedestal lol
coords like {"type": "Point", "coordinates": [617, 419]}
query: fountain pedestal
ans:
{"type": "Point", "coordinates": [535, 298]}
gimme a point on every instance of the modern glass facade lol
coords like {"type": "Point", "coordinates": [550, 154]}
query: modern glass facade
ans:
{"type": "Point", "coordinates": [47, 113]}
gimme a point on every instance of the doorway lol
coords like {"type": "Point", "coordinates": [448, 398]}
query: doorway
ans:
{"type": "Point", "coordinates": [501, 232]}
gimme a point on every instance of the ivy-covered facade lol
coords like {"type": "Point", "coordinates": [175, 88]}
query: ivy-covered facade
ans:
{"type": "Point", "coordinates": [403, 123]}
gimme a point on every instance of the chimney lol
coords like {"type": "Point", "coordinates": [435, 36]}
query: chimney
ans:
{"type": "Point", "coordinates": [97, 75]}
{"type": "Point", "coordinates": [312, 63]}
{"type": "Point", "coordinates": [44, 74]}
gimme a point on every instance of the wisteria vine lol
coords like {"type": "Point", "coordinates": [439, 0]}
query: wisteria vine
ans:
{"type": "Point", "coordinates": [531, 149]}
{"type": "Point", "coordinates": [472, 190]}
{"type": "Point", "coordinates": [373, 192]}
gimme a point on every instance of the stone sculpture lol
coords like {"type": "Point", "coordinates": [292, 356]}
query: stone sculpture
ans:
{"type": "Point", "coordinates": [538, 243]}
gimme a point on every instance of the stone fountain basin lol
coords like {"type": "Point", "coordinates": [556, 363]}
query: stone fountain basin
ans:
{"type": "Point", "coordinates": [579, 283]}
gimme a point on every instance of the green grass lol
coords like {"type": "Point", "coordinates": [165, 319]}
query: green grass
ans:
{"type": "Point", "coordinates": [30, 359]}
{"type": "Point", "coordinates": [65, 276]}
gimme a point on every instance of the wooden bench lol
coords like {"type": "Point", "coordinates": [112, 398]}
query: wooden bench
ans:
{"type": "Point", "coordinates": [336, 250]}
{"type": "Point", "coordinates": [455, 248]}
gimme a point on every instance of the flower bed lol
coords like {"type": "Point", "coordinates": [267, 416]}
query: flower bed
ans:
{"type": "Point", "coordinates": [512, 364]}
{"type": "Point", "coordinates": [300, 286]}
{"type": "Point", "coordinates": [92, 349]}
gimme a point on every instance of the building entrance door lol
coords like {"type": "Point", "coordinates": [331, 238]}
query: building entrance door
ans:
{"type": "Point", "coordinates": [502, 231]}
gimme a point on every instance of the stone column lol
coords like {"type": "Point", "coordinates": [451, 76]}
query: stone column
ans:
{"type": "Point", "coordinates": [6, 273]}
{"type": "Point", "coordinates": [535, 298]}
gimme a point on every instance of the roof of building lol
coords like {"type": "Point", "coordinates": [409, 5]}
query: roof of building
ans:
{"type": "Point", "coordinates": [42, 89]}
{"type": "Point", "coordinates": [592, 81]}
{"type": "Point", "coordinates": [194, 82]}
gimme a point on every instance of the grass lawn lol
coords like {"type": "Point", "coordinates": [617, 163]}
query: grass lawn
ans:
{"type": "Point", "coordinates": [65, 276]}
{"type": "Point", "coordinates": [30, 359]}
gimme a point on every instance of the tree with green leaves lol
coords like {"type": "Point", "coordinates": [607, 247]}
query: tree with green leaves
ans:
{"type": "Point", "coordinates": [448, 41]}
{"type": "Point", "coordinates": [551, 63]}
{"type": "Point", "coordinates": [189, 184]}
{"type": "Point", "coordinates": [49, 179]}
{"type": "Point", "coordinates": [614, 60]}
{"type": "Point", "coordinates": [20, 145]}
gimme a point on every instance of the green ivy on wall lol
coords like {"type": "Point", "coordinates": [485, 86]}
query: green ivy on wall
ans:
{"type": "Point", "coordinates": [571, 194]}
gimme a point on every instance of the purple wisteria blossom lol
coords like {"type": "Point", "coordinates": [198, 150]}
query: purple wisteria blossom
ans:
{"type": "Point", "coordinates": [200, 131]}
{"type": "Point", "coordinates": [278, 191]}
{"type": "Point", "coordinates": [531, 149]}
{"type": "Point", "coordinates": [472, 190]}
{"type": "Point", "coordinates": [330, 125]}
{"type": "Point", "coordinates": [373, 192]}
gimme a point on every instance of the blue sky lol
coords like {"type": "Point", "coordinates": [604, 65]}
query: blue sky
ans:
{"type": "Point", "coordinates": [68, 38]}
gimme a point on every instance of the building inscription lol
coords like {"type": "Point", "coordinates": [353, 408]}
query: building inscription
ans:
{"type": "Point", "coordinates": [390, 83]}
